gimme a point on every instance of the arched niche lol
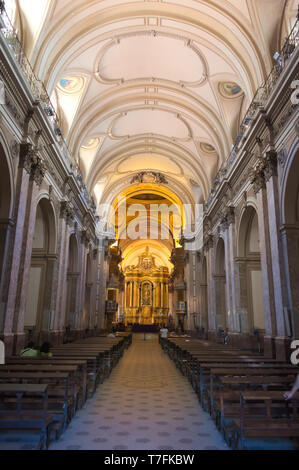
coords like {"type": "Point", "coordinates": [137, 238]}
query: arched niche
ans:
{"type": "Point", "coordinates": [251, 312]}
{"type": "Point", "coordinates": [6, 203]}
{"type": "Point", "coordinates": [220, 286]}
{"type": "Point", "coordinates": [71, 312]}
{"type": "Point", "coordinates": [290, 235]}
{"type": "Point", "coordinates": [6, 223]}
{"type": "Point", "coordinates": [39, 312]}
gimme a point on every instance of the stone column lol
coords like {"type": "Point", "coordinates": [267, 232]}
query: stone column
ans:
{"type": "Point", "coordinates": [6, 232]}
{"type": "Point", "coordinates": [282, 341]}
{"type": "Point", "coordinates": [82, 280]}
{"type": "Point", "coordinates": [93, 293]}
{"type": "Point", "coordinates": [228, 282]}
{"type": "Point", "coordinates": [102, 273]}
{"type": "Point", "coordinates": [22, 201]}
{"type": "Point", "coordinates": [209, 250]}
{"type": "Point", "coordinates": [203, 302]}
{"type": "Point", "coordinates": [30, 175]}
{"type": "Point", "coordinates": [61, 287]}
{"type": "Point", "coordinates": [259, 186]}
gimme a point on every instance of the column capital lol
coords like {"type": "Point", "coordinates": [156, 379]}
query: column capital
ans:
{"type": "Point", "coordinates": [228, 217]}
{"type": "Point", "coordinates": [85, 237]}
{"type": "Point", "coordinates": [27, 156]}
{"type": "Point", "coordinates": [258, 177]}
{"type": "Point", "coordinates": [32, 163]}
{"type": "Point", "coordinates": [38, 170]}
{"type": "Point", "coordinates": [270, 165]}
{"type": "Point", "coordinates": [67, 212]}
{"type": "Point", "coordinates": [208, 242]}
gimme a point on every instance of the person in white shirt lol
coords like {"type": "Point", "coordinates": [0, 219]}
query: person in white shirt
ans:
{"type": "Point", "coordinates": [289, 395]}
{"type": "Point", "coordinates": [163, 332]}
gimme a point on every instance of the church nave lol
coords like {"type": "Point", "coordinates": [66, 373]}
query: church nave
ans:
{"type": "Point", "coordinates": [145, 404]}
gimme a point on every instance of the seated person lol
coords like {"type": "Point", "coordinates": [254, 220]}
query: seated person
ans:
{"type": "Point", "coordinates": [163, 332]}
{"type": "Point", "coordinates": [45, 350]}
{"type": "Point", "coordinates": [289, 395]}
{"type": "Point", "coordinates": [111, 335]}
{"type": "Point", "coordinates": [29, 351]}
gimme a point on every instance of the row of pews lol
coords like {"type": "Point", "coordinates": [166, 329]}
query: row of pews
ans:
{"type": "Point", "coordinates": [42, 395]}
{"type": "Point", "coordinates": [242, 390]}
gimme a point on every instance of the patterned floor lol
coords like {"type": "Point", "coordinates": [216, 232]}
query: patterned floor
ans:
{"type": "Point", "coordinates": [145, 404]}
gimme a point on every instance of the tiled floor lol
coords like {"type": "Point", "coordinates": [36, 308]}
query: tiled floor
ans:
{"type": "Point", "coordinates": [145, 404]}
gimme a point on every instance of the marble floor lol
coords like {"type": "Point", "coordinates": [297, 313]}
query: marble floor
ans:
{"type": "Point", "coordinates": [145, 404]}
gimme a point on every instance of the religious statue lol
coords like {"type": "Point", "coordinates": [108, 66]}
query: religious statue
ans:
{"type": "Point", "coordinates": [146, 294]}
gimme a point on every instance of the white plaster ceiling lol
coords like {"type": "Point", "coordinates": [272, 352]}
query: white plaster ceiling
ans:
{"type": "Point", "coordinates": [153, 72]}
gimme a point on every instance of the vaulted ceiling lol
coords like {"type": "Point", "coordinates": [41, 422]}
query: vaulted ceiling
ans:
{"type": "Point", "coordinates": [158, 85]}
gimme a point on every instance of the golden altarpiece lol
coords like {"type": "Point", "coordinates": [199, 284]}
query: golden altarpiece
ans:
{"type": "Point", "coordinates": [146, 291]}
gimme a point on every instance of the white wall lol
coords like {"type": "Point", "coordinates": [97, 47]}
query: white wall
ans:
{"type": "Point", "coordinates": [257, 299]}
{"type": "Point", "coordinates": [33, 295]}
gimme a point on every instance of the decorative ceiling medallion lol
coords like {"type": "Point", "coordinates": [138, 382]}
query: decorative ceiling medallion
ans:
{"type": "Point", "coordinates": [149, 177]}
{"type": "Point", "coordinates": [207, 148]}
{"type": "Point", "coordinates": [149, 58]}
{"type": "Point", "coordinates": [71, 84]}
{"type": "Point", "coordinates": [230, 89]}
{"type": "Point", "coordinates": [91, 144]}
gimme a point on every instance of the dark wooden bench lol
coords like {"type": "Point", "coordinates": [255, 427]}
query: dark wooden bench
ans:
{"type": "Point", "coordinates": [29, 419]}
{"type": "Point", "coordinates": [270, 426]}
{"type": "Point", "coordinates": [61, 393]}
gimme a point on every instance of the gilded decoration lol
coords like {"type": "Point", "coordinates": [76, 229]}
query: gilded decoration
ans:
{"type": "Point", "coordinates": [146, 291]}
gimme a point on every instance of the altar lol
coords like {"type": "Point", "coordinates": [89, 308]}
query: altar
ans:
{"type": "Point", "coordinates": [146, 292]}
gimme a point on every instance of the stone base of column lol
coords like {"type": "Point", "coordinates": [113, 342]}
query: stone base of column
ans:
{"type": "Point", "coordinates": [20, 340]}
{"type": "Point", "coordinates": [282, 348]}
{"type": "Point", "coordinates": [244, 341]}
{"type": "Point", "coordinates": [212, 335]}
{"type": "Point", "coordinates": [269, 347]}
{"type": "Point", "coordinates": [8, 340]}
{"type": "Point", "coordinates": [197, 334]}
{"type": "Point", "coordinates": [55, 338]}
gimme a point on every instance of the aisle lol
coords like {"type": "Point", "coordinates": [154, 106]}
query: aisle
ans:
{"type": "Point", "coordinates": [145, 404]}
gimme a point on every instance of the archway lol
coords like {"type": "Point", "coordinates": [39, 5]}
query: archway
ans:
{"type": "Point", "coordinates": [220, 286]}
{"type": "Point", "coordinates": [251, 313]}
{"type": "Point", "coordinates": [39, 312]}
{"type": "Point", "coordinates": [6, 203]}
{"type": "Point", "coordinates": [290, 237]}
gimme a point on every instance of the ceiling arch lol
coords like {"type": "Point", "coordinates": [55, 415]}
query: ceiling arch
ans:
{"type": "Point", "coordinates": [167, 83]}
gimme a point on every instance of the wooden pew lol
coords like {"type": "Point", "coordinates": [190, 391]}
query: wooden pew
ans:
{"type": "Point", "coordinates": [271, 425]}
{"type": "Point", "coordinates": [216, 374]}
{"type": "Point", "coordinates": [61, 392]}
{"type": "Point", "coordinates": [22, 419]}
{"type": "Point", "coordinates": [36, 362]}
{"type": "Point", "coordinates": [227, 399]}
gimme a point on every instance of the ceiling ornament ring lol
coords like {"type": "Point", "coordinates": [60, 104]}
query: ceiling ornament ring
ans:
{"type": "Point", "coordinates": [100, 77]}
{"type": "Point", "coordinates": [230, 90]}
{"type": "Point", "coordinates": [71, 84]}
